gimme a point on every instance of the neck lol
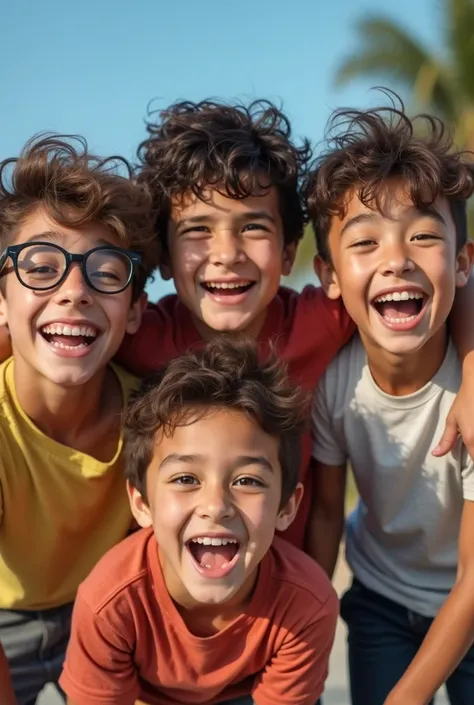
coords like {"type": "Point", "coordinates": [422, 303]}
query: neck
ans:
{"type": "Point", "coordinates": [61, 413]}
{"type": "Point", "coordinates": [252, 331]}
{"type": "Point", "coordinates": [399, 375]}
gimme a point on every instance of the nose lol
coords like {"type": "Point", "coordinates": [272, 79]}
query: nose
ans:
{"type": "Point", "coordinates": [215, 504]}
{"type": "Point", "coordinates": [226, 249]}
{"type": "Point", "coordinates": [74, 289]}
{"type": "Point", "coordinates": [396, 260]}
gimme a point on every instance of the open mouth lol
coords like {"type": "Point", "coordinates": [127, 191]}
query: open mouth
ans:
{"type": "Point", "coordinates": [69, 337]}
{"type": "Point", "coordinates": [233, 288]}
{"type": "Point", "coordinates": [214, 556]}
{"type": "Point", "coordinates": [400, 307]}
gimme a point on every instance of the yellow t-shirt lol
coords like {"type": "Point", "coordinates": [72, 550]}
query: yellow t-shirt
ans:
{"type": "Point", "coordinates": [60, 510]}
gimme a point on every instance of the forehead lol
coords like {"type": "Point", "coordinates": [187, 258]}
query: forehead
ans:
{"type": "Point", "coordinates": [219, 433]}
{"type": "Point", "coordinates": [394, 203]}
{"type": "Point", "coordinates": [39, 225]}
{"type": "Point", "coordinates": [215, 204]}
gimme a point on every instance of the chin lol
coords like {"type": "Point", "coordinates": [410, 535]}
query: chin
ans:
{"type": "Point", "coordinates": [68, 378]}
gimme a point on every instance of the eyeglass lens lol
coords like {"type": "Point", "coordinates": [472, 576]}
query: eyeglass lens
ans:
{"type": "Point", "coordinates": [41, 266]}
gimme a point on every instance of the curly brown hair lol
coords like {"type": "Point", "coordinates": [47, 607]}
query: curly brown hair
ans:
{"type": "Point", "coordinates": [225, 374]}
{"type": "Point", "coordinates": [57, 172]}
{"type": "Point", "coordinates": [237, 150]}
{"type": "Point", "coordinates": [368, 147]}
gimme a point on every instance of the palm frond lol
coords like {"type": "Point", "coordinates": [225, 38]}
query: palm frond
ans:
{"type": "Point", "coordinates": [389, 51]}
{"type": "Point", "coordinates": [459, 22]}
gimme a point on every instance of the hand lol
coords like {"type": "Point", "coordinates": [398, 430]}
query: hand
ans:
{"type": "Point", "coordinates": [460, 419]}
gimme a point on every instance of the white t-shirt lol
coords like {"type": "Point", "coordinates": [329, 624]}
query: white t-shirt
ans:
{"type": "Point", "coordinates": [401, 540]}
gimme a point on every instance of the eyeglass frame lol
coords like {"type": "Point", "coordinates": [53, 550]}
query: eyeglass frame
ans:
{"type": "Point", "coordinates": [13, 251]}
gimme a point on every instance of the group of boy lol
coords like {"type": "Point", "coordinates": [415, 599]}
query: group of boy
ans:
{"type": "Point", "coordinates": [212, 456]}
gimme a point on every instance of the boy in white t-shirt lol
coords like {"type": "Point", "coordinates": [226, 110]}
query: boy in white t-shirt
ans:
{"type": "Point", "coordinates": [389, 212]}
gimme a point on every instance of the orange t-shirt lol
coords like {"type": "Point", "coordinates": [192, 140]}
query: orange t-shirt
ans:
{"type": "Point", "coordinates": [128, 639]}
{"type": "Point", "coordinates": [307, 330]}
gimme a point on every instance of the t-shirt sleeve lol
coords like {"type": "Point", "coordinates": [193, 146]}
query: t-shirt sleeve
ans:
{"type": "Point", "coordinates": [467, 476]}
{"type": "Point", "coordinates": [326, 445]}
{"type": "Point", "coordinates": [99, 668]}
{"type": "Point", "coordinates": [297, 672]}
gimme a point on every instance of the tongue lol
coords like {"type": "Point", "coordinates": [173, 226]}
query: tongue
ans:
{"type": "Point", "coordinates": [398, 309]}
{"type": "Point", "coordinates": [214, 556]}
{"type": "Point", "coordinates": [71, 340]}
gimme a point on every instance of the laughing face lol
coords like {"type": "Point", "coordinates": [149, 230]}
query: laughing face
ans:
{"type": "Point", "coordinates": [70, 332]}
{"type": "Point", "coordinates": [397, 272]}
{"type": "Point", "coordinates": [226, 257]}
{"type": "Point", "coordinates": [214, 492]}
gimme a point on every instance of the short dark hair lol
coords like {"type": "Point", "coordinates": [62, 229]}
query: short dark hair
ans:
{"type": "Point", "coordinates": [235, 149]}
{"type": "Point", "coordinates": [76, 187]}
{"type": "Point", "coordinates": [224, 374]}
{"type": "Point", "coordinates": [367, 147]}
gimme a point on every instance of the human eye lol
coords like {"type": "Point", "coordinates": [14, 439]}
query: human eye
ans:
{"type": "Point", "coordinates": [196, 231]}
{"type": "Point", "coordinates": [426, 237]}
{"type": "Point", "coordinates": [255, 230]}
{"type": "Point", "coordinates": [363, 243]}
{"type": "Point", "coordinates": [184, 480]}
{"type": "Point", "coordinates": [249, 481]}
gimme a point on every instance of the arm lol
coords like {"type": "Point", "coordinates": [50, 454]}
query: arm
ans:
{"type": "Point", "coordinates": [461, 416]}
{"type": "Point", "coordinates": [297, 672]}
{"type": "Point", "coordinates": [326, 521]}
{"type": "Point", "coordinates": [328, 468]}
{"type": "Point", "coordinates": [6, 688]}
{"type": "Point", "coordinates": [451, 633]}
{"type": "Point", "coordinates": [99, 668]}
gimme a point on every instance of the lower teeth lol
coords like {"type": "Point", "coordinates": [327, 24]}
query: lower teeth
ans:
{"type": "Point", "coordinates": [70, 347]}
{"type": "Point", "coordinates": [406, 319]}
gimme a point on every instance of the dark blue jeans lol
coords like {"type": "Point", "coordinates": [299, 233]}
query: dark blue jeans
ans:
{"type": "Point", "coordinates": [383, 638]}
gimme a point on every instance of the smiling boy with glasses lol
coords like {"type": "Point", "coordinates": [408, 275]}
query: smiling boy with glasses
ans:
{"type": "Point", "coordinates": [75, 254]}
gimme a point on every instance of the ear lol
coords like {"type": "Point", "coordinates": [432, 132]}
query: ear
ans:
{"type": "Point", "coordinates": [288, 258]}
{"type": "Point", "coordinates": [135, 314]}
{"type": "Point", "coordinates": [165, 268]}
{"type": "Point", "coordinates": [288, 512]}
{"type": "Point", "coordinates": [140, 509]}
{"type": "Point", "coordinates": [3, 310]}
{"type": "Point", "coordinates": [464, 260]}
{"type": "Point", "coordinates": [327, 276]}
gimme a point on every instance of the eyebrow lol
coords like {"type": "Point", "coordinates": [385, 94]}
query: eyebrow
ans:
{"type": "Point", "coordinates": [421, 211]}
{"type": "Point", "coordinates": [212, 217]}
{"type": "Point", "coordinates": [240, 462]}
{"type": "Point", "coordinates": [55, 236]}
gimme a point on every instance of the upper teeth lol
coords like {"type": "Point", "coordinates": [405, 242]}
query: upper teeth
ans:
{"type": "Point", "coordinates": [227, 285]}
{"type": "Point", "coordinates": [208, 541]}
{"type": "Point", "coordinates": [59, 329]}
{"type": "Point", "coordinates": [399, 296]}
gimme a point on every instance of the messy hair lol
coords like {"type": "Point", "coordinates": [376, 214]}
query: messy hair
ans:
{"type": "Point", "coordinates": [368, 147]}
{"type": "Point", "coordinates": [236, 150]}
{"type": "Point", "coordinates": [225, 374]}
{"type": "Point", "coordinates": [57, 173]}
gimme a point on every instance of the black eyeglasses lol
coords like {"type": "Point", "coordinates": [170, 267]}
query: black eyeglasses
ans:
{"type": "Point", "coordinates": [41, 266]}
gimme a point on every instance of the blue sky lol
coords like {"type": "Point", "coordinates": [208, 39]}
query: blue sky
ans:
{"type": "Point", "coordinates": [92, 67]}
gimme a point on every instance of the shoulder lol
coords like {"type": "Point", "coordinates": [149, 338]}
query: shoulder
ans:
{"type": "Point", "coordinates": [302, 582]}
{"type": "Point", "coordinates": [119, 574]}
{"type": "Point", "coordinates": [345, 371]}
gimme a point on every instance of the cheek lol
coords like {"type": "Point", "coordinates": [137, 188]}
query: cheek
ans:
{"type": "Point", "coordinates": [187, 258]}
{"type": "Point", "coordinates": [268, 257]}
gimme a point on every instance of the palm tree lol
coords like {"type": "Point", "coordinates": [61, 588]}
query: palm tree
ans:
{"type": "Point", "coordinates": [442, 82]}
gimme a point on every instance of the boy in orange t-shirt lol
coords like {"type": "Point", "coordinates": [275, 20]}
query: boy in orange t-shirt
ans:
{"type": "Point", "coordinates": [203, 605]}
